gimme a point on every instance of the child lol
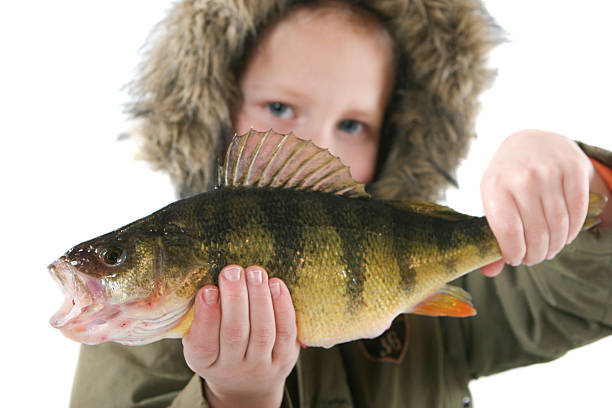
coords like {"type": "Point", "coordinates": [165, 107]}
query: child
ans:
{"type": "Point", "coordinates": [391, 92]}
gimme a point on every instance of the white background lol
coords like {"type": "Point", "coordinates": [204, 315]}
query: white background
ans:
{"type": "Point", "coordinates": [65, 178]}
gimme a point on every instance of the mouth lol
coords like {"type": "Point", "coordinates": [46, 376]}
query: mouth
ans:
{"type": "Point", "coordinates": [87, 316]}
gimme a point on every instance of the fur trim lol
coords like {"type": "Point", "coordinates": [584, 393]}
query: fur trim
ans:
{"type": "Point", "coordinates": [188, 83]}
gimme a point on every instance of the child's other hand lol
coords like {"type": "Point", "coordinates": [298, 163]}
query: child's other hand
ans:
{"type": "Point", "coordinates": [245, 345]}
{"type": "Point", "coordinates": [535, 196]}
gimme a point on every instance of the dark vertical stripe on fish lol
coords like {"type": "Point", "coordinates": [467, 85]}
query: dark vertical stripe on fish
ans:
{"type": "Point", "coordinates": [352, 240]}
{"type": "Point", "coordinates": [400, 231]}
{"type": "Point", "coordinates": [483, 237]}
{"type": "Point", "coordinates": [220, 224]}
{"type": "Point", "coordinates": [284, 234]}
{"type": "Point", "coordinates": [450, 236]}
{"type": "Point", "coordinates": [313, 218]}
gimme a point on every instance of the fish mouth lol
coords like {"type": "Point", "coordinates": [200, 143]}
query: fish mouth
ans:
{"type": "Point", "coordinates": [76, 297]}
{"type": "Point", "coordinates": [84, 301]}
{"type": "Point", "coordinates": [87, 316]}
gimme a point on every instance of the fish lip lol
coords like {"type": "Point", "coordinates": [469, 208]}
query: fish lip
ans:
{"type": "Point", "coordinates": [63, 274]}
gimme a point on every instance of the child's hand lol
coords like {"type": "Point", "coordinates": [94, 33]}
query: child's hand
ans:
{"type": "Point", "coordinates": [535, 196]}
{"type": "Point", "coordinates": [245, 345]}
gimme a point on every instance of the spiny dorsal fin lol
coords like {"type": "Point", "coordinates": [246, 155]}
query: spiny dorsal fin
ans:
{"type": "Point", "coordinates": [434, 210]}
{"type": "Point", "coordinates": [270, 159]}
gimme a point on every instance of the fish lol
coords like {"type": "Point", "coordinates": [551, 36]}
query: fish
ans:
{"type": "Point", "coordinates": [352, 263]}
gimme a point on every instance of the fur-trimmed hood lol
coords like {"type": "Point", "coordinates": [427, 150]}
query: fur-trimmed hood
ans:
{"type": "Point", "coordinates": [188, 83]}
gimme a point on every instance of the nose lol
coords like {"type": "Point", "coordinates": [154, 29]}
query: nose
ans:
{"type": "Point", "coordinates": [321, 134]}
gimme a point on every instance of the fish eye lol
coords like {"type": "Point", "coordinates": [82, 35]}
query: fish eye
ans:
{"type": "Point", "coordinates": [113, 256]}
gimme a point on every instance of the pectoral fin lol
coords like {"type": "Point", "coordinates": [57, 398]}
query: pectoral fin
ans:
{"type": "Point", "coordinates": [446, 301]}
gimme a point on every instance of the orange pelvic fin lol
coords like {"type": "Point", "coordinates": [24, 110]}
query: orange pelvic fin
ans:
{"type": "Point", "coordinates": [446, 301]}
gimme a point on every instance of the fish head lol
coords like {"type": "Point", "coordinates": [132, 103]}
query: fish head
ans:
{"type": "Point", "coordinates": [130, 286]}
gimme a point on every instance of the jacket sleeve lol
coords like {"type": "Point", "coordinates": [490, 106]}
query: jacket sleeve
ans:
{"type": "Point", "coordinates": [533, 314]}
{"type": "Point", "coordinates": [151, 376]}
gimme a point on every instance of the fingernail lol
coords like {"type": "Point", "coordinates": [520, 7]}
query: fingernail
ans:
{"type": "Point", "coordinates": [210, 296]}
{"type": "Point", "coordinates": [254, 276]}
{"type": "Point", "coordinates": [232, 273]}
{"type": "Point", "coordinates": [275, 288]}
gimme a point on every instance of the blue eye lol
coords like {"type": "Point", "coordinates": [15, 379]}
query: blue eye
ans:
{"type": "Point", "coordinates": [280, 110]}
{"type": "Point", "coordinates": [350, 126]}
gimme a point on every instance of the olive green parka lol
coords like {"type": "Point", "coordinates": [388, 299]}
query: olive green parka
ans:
{"type": "Point", "coordinates": [183, 98]}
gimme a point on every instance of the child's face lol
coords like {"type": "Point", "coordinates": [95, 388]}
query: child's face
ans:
{"type": "Point", "coordinates": [324, 80]}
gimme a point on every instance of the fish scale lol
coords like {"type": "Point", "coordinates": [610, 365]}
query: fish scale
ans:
{"type": "Point", "coordinates": [351, 263]}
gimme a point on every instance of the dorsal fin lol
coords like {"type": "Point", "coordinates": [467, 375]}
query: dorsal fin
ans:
{"type": "Point", "coordinates": [270, 159]}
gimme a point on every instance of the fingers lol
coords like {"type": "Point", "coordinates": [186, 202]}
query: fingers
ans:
{"type": "Point", "coordinates": [263, 330]}
{"type": "Point", "coordinates": [286, 346]}
{"type": "Point", "coordinates": [201, 344]}
{"type": "Point", "coordinates": [243, 337]}
{"type": "Point", "coordinates": [535, 196]}
{"type": "Point", "coordinates": [530, 225]}
{"type": "Point", "coordinates": [557, 218]}
{"type": "Point", "coordinates": [536, 229]}
{"type": "Point", "coordinates": [248, 320]}
{"type": "Point", "coordinates": [505, 221]}
{"type": "Point", "coordinates": [234, 315]}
